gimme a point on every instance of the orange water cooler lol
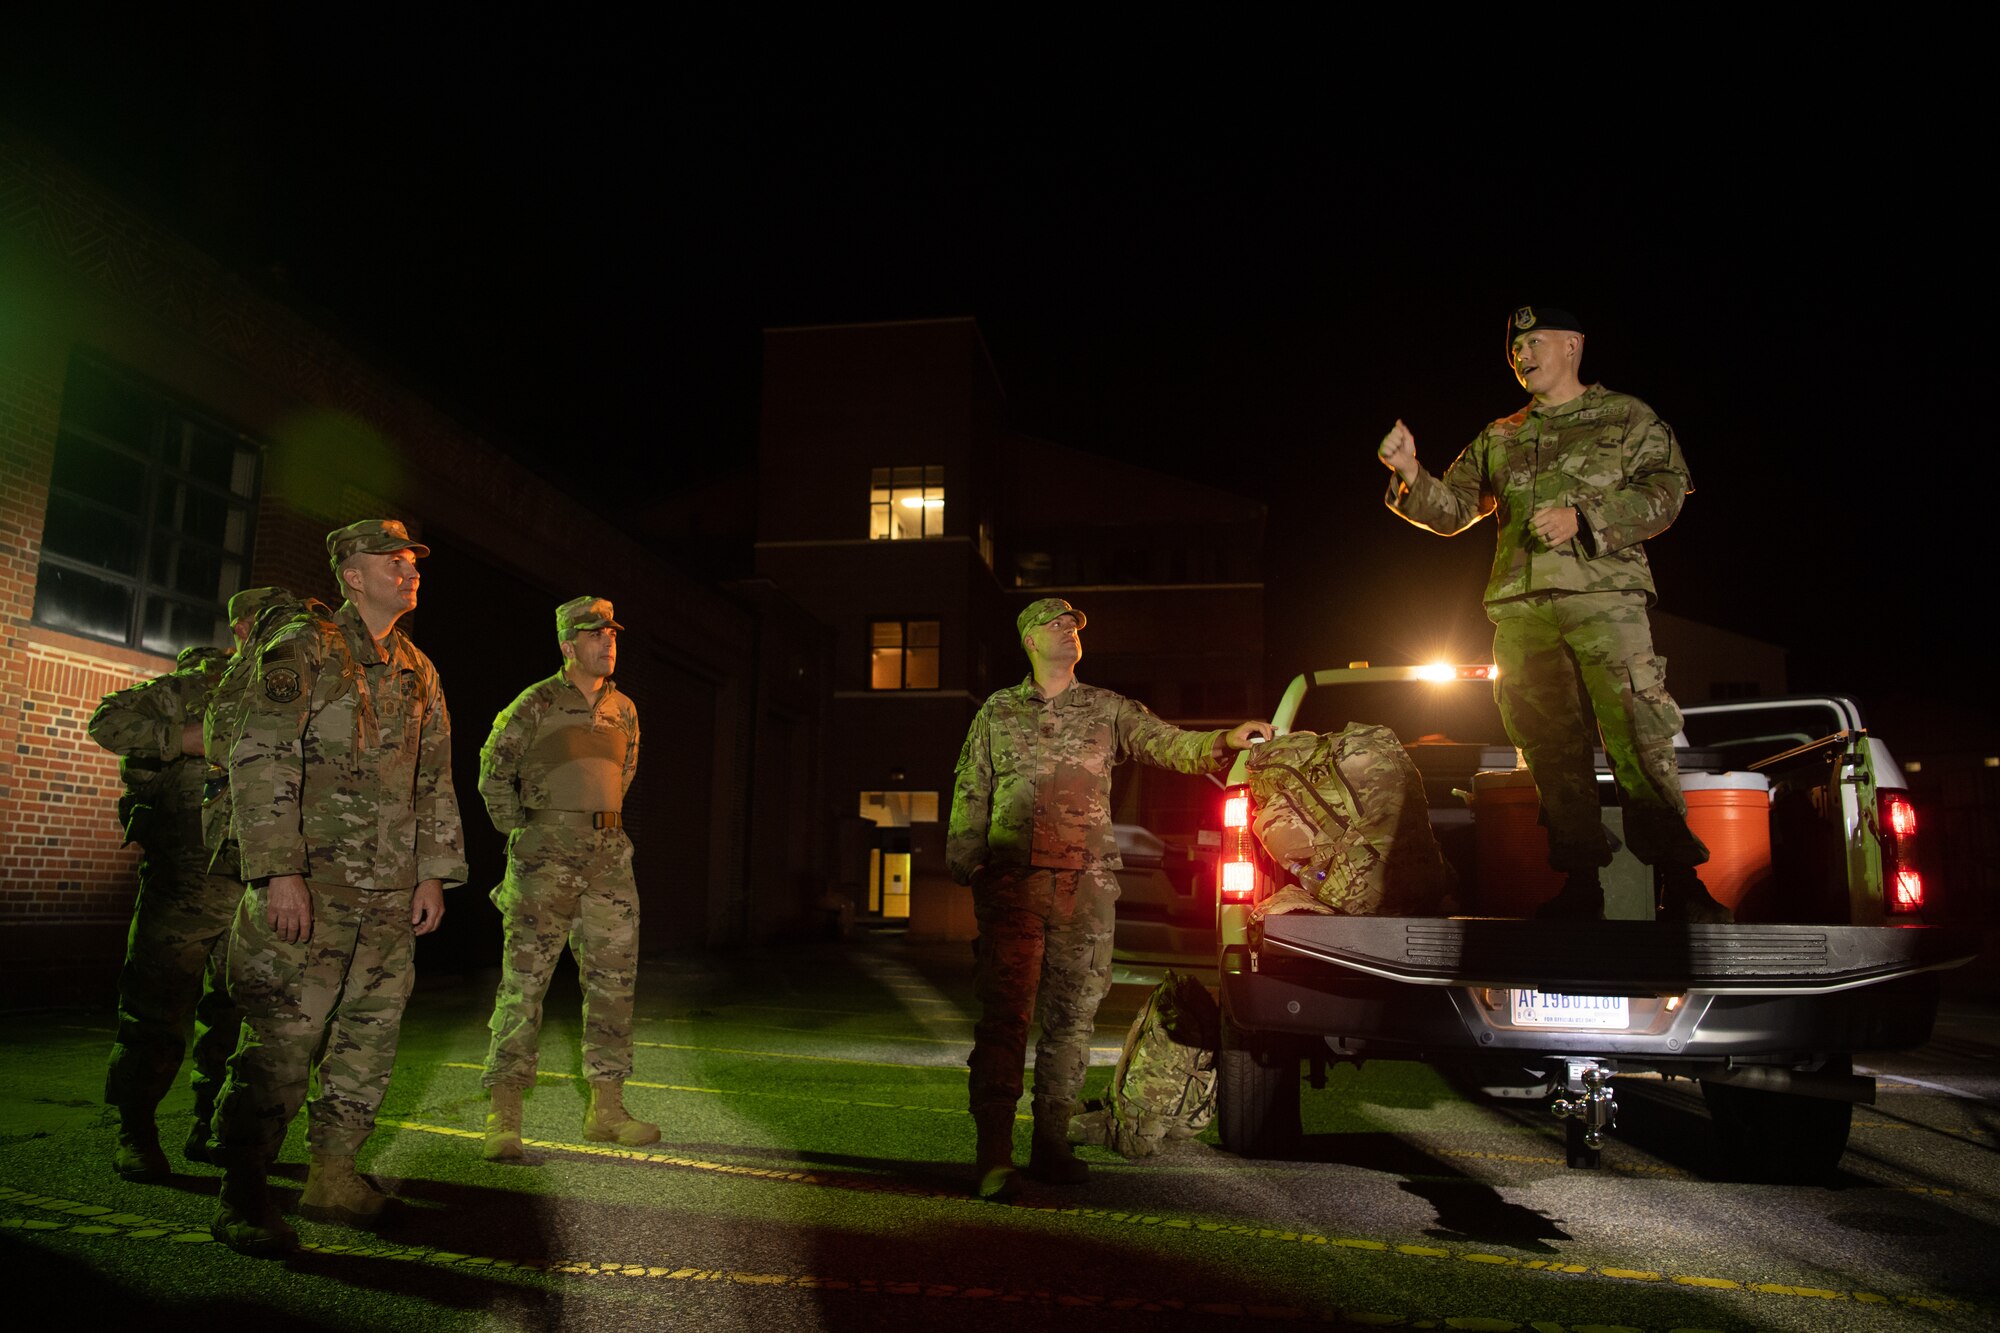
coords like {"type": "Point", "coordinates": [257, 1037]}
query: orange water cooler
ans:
{"type": "Point", "coordinates": [1729, 812]}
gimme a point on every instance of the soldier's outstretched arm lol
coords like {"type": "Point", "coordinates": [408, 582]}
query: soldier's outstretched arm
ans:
{"type": "Point", "coordinates": [1143, 737]}
{"type": "Point", "coordinates": [1446, 505]}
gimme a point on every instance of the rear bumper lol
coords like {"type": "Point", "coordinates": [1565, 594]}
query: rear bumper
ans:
{"type": "Point", "coordinates": [1437, 990]}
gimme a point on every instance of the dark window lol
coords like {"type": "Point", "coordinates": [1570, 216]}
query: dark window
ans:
{"type": "Point", "coordinates": [903, 654]}
{"type": "Point", "coordinates": [150, 510]}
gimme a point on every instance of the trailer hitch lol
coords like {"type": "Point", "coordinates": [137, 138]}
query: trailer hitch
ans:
{"type": "Point", "coordinates": [1590, 1102]}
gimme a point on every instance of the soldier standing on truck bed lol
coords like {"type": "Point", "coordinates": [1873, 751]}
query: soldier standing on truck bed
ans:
{"type": "Point", "coordinates": [1576, 481]}
{"type": "Point", "coordinates": [554, 773]}
{"type": "Point", "coordinates": [174, 952]}
{"type": "Point", "coordinates": [1031, 834]}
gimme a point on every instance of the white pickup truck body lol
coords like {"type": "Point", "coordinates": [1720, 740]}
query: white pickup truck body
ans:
{"type": "Point", "coordinates": [1829, 955]}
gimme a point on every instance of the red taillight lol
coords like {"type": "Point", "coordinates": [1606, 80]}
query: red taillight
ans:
{"type": "Point", "coordinates": [1239, 862]}
{"type": "Point", "coordinates": [1903, 883]}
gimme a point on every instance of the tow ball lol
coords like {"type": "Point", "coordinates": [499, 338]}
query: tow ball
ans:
{"type": "Point", "coordinates": [1587, 1109]}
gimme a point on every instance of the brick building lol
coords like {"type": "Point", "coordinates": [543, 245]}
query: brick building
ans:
{"type": "Point", "coordinates": [169, 434]}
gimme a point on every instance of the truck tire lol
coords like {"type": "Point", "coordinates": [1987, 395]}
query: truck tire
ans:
{"type": "Point", "coordinates": [1780, 1137]}
{"type": "Point", "coordinates": [1256, 1094]}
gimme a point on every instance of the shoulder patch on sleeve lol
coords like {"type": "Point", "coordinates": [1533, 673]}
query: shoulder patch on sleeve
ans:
{"type": "Point", "coordinates": [281, 685]}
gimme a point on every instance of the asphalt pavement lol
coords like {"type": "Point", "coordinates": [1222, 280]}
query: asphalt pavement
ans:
{"type": "Point", "coordinates": [813, 1174]}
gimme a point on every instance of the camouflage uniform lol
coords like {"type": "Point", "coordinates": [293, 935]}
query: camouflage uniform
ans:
{"type": "Point", "coordinates": [174, 950]}
{"type": "Point", "coordinates": [553, 761]}
{"type": "Point", "coordinates": [1577, 612]}
{"type": "Point", "coordinates": [1031, 833]}
{"type": "Point", "coordinates": [342, 774]}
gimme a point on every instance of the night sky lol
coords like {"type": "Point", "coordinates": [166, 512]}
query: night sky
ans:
{"type": "Point", "coordinates": [1231, 269]}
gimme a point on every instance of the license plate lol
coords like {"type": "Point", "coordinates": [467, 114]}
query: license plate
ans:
{"type": "Point", "coordinates": [1547, 1009]}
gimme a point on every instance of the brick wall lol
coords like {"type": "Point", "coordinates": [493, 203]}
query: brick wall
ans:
{"type": "Point", "coordinates": [61, 861]}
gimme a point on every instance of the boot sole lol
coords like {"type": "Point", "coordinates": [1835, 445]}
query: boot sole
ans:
{"type": "Point", "coordinates": [145, 1173]}
{"type": "Point", "coordinates": [623, 1143]}
{"type": "Point", "coordinates": [276, 1247]}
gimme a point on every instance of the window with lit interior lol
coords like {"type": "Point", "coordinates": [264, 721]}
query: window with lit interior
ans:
{"type": "Point", "coordinates": [905, 503]}
{"type": "Point", "coordinates": [903, 654]}
{"type": "Point", "coordinates": [151, 507]}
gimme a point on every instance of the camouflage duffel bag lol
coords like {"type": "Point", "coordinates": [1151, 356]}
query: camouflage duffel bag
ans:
{"type": "Point", "coordinates": [1164, 1086]}
{"type": "Point", "coordinates": [1344, 812]}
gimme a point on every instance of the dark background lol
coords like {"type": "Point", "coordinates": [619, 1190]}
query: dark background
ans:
{"type": "Point", "coordinates": [1238, 261]}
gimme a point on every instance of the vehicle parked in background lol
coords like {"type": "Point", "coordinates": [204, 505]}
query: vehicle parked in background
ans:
{"type": "Point", "coordinates": [1814, 841]}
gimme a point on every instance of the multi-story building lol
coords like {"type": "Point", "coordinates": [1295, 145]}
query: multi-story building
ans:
{"type": "Point", "coordinates": [896, 505]}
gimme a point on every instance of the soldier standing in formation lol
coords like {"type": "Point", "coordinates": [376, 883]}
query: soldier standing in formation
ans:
{"type": "Point", "coordinates": [1031, 834]}
{"type": "Point", "coordinates": [1576, 481]}
{"type": "Point", "coordinates": [554, 773]}
{"type": "Point", "coordinates": [349, 831]}
{"type": "Point", "coordinates": [174, 950]}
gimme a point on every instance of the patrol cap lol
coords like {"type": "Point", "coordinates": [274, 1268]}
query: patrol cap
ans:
{"type": "Point", "coordinates": [250, 603]}
{"type": "Point", "coordinates": [198, 655]}
{"type": "Point", "coordinates": [1539, 317]}
{"type": "Point", "coordinates": [581, 613]}
{"type": "Point", "coordinates": [371, 536]}
{"type": "Point", "coordinates": [1042, 612]}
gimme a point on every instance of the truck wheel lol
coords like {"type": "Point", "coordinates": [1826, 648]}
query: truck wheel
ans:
{"type": "Point", "coordinates": [1256, 1094]}
{"type": "Point", "coordinates": [1780, 1137]}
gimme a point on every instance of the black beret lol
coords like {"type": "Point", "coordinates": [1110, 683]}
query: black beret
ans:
{"type": "Point", "coordinates": [1539, 317]}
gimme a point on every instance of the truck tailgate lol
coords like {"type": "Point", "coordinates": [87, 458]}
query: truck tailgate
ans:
{"type": "Point", "coordinates": [1629, 957]}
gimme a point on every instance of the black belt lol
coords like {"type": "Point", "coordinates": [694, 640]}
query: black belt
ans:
{"type": "Point", "coordinates": [578, 818]}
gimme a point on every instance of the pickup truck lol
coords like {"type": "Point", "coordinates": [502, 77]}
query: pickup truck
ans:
{"type": "Point", "coordinates": [1829, 954]}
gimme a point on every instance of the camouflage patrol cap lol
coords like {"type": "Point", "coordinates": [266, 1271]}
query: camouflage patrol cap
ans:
{"type": "Point", "coordinates": [371, 536]}
{"type": "Point", "coordinates": [197, 655]}
{"type": "Point", "coordinates": [1539, 317]}
{"type": "Point", "coordinates": [581, 613]}
{"type": "Point", "coordinates": [1042, 612]}
{"type": "Point", "coordinates": [246, 605]}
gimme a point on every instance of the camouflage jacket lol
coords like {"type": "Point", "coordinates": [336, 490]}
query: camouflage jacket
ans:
{"type": "Point", "coordinates": [538, 740]}
{"type": "Point", "coordinates": [142, 724]}
{"type": "Point", "coordinates": [342, 772]}
{"type": "Point", "coordinates": [1034, 777]}
{"type": "Point", "coordinates": [1604, 453]}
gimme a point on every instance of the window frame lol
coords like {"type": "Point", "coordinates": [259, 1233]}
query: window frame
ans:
{"type": "Point", "coordinates": [888, 482]}
{"type": "Point", "coordinates": [903, 648]}
{"type": "Point", "coordinates": [170, 422]}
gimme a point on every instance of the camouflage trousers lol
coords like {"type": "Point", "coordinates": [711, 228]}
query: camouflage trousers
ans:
{"type": "Point", "coordinates": [326, 1012]}
{"type": "Point", "coordinates": [173, 977]}
{"type": "Point", "coordinates": [569, 886]}
{"type": "Point", "coordinates": [1044, 951]}
{"type": "Point", "coordinates": [1553, 652]}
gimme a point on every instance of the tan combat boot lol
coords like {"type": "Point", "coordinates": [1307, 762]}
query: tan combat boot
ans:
{"type": "Point", "coordinates": [246, 1220]}
{"type": "Point", "coordinates": [336, 1193]}
{"type": "Point", "coordinates": [1050, 1159]}
{"type": "Point", "coordinates": [606, 1121]}
{"type": "Point", "coordinates": [139, 1156]}
{"type": "Point", "coordinates": [994, 1162]}
{"type": "Point", "coordinates": [503, 1125]}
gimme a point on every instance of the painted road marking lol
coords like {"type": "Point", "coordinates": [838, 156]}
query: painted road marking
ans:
{"type": "Point", "coordinates": [957, 1068]}
{"type": "Point", "coordinates": [875, 1185]}
{"type": "Point", "coordinates": [95, 1222]}
{"type": "Point", "coordinates": [739, 1092]}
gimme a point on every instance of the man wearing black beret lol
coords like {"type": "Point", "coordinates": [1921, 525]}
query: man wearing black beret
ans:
{"type": "Point", "coordinates": [1577, 481]}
